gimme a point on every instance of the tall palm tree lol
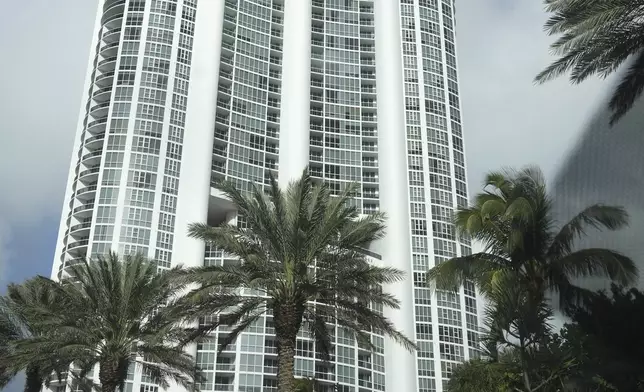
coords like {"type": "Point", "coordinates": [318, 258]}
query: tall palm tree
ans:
{"type": "Point", "coordinates": [16, 325]}
{"type": "Point", "coordinates": [525, 257]}
{"type": "Point", "coordinates": [596, 37]}
{"type": "Point", "coordinates": [117, 311]}
{"type": "Point", "coordinates": [513, 219]}
{"type": "Point", "coordinates": [304, 252]}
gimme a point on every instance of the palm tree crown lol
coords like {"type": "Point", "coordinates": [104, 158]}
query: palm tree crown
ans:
{"type": "Point", "coordinates": [513, 219]}
{"type": "Point", "coordinates": [17, 324]}
{"type": "Point", "coordinates": [596, 37]}
{"type": "Point", "coordinates": [117, 312]}
{"type": "Point", "coordinates": [303, 252]}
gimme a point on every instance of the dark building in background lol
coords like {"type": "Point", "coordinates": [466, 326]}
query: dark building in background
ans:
{"type": "Point", "coordinates": [607, 166]}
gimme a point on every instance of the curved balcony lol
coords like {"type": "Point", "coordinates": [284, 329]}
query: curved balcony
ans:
{"type": "Point", "coordinates": [91, 158]}
{"type": "Point", "coordinates": [78, 248]}
{"type": "Point", "coordinates": [95, 142]}
{"type": "Point", "coordinates": [81, 229]}
{"type": "Point", "coordinates": [111, 35]}
{"type": "Point", "coordinates": [99, 110]}
{"type": "Point", "coordinates": [102, 94]}
{"type": "Point", "coordinates": [89, 175]}
{"type": "Point", "coordinates": [112, 9]}
{"type": "Point", "coordinates": [109, 50]}
{"type": "Point", "coordinates": [66, 265]}
{"type": "Point", "coordinates": [84, 211]}
{"type": "Point", "coordinates": [106, 65]}
{"type": "Point", "coordinates": [109, 3]}
{"type": "Point", "coordinates": [86, 193]}
{"type": "Point", "coordinates": [105, 79]}
{"type": "Point", "coordinates": [97, 126]}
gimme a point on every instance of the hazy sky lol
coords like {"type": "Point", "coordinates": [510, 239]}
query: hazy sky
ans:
{"type": "Point", "coordinates": [45, 47]}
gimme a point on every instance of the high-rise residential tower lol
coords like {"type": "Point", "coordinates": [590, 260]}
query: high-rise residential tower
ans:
{"type": "Point", "coordinates": [179, 91]}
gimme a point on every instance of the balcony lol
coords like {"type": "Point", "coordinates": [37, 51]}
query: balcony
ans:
{"type": "Point", "coordinates": [276, 60]}
{"type": "Point", "coordinates": [111, 35]}
{"type": "Point", "coordinates": [226, 74]}
{"type": "Point", "coordinates": [95, 142]}
{"type": "Point", "coordinates": [370, 147]}
{"type": "Point", "coordinates": [273, 103]}
{"type": "Point", "coordinates": [368, 89]}
{"type": "Point", "coordinates": [102, 94]}
{"type": "Point", "coordinates": [369, 163]}
{"type": "Point", "coordinates": [81, 229]}
{"type": "Point", "coordinates": [99, 110]}
{"type": "Point", "coordinates": [105, 79]}
{"type": "Point", "coordinates": [97, 126]}
{"type": "Point", "coordinates": [89, 175]}
{"type": "Point", "coordinates": [112, 9]}
{"type": "Point", "coordinates": [369, 179]}
{"type": "Point", "coordinates": [106, 65]}
{"type": "Point", "coordinates": [91, 158]}
{"type": "Point", "coordinates": [78, 247]}
{"type": "Point", "coordinates": [224, 89]}
{"type": "Point", "coordinates": [84, 211]}
{"type": "Point", "coordinates": [273, 118]}
{"type": "Point", "coordinates": [86, 193]}
{"type": "Point", "coordinates": [109, 50]}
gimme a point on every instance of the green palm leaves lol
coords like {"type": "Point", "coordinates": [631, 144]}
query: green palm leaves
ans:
{"type": "Point", "coordinates": [303, 251]}
{"type": "Point", "coordinates": [595, 38]}
{"type": "Point", "coordinates": [114, 313]}
{"type": "Point", "coordinates": [525, 257]}
{"type": "Point", "coordinates": [513, 219]}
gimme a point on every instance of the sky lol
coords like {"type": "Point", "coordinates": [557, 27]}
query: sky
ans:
{"type": "Point", "coordinates": [508, 121]}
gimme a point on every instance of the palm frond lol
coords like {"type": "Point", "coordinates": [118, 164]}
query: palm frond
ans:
{"type": "Point", "coordinates": [597, 262]}
{"type": "Point", "coordinates": [628, 89]}
{"type": "Point", "coordinates": [478, 268]}
{"type": "Point", "coordinates": [596, 216]}
{"type": "Point", "coordinates": [596, 37]}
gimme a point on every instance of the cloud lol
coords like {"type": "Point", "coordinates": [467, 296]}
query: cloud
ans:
{"type": "Point", "coordinates": [42, 83]}
{"type": "Point", "coordinates": [507, 119]}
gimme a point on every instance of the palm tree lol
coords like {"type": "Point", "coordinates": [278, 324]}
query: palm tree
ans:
{"type": "Point", "coordinates": [596, 37]}
{"type": "Point", "coordinates": [304, 252]}
{"type": "Point", "coordinates": [513, 219]}
{"type": "Point", "coordinates": [117, 312]}
{"type": "Point", "coordinates": [16, 325]}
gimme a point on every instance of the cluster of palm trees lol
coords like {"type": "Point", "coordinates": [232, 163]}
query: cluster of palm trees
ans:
{"type": "Point", "coordinates": [300, 254]}
{"type": "Point", "coordinates": [528, 261]}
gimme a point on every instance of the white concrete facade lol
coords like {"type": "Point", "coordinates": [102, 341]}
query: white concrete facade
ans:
{"type": "Point", "coordinates": [366, 91]}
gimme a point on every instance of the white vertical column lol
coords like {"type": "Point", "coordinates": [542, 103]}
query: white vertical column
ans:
{"type": "Point", "coordinates": [194, 181]}
{"type": "Point", "coordinates": [400, 364]}
{"type": "Point", "coordinates": [296, 89]}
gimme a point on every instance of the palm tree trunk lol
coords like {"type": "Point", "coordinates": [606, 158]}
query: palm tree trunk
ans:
{"type": "Point", "coordinates": [109, 375]}
{"type": "Point", "coordinates": [33, 382]}
{"type": "Point", "coordinates": [285, 364]}
{"type": "Point", "coordinates": [288, 319]}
